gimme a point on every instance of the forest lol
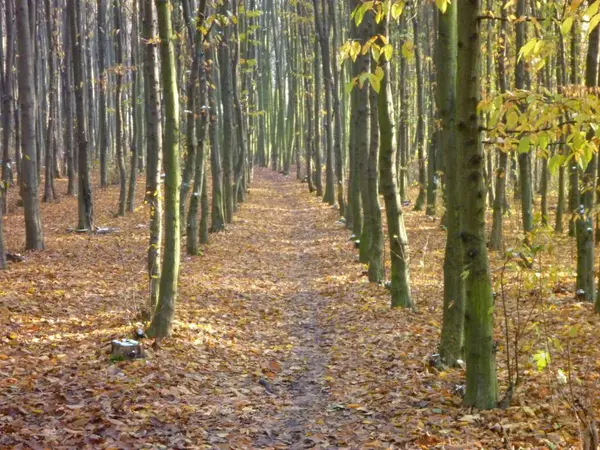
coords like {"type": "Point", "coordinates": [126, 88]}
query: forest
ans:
{"type": "Point", "coordinates": [270, 224]}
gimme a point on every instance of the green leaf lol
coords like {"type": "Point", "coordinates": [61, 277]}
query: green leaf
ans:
{"type": "Point", "coordinates": [594, 21]}
{"type": "Point", "coordinates": [512, 118]}
{"type": "Point", "coordinates": [375, 82]}
{"type": "Point", "coordinates": [408, 49]}
{"type": "Point", "coordinates": [350, 85]}
{"type": "Point", "coordinates": [442, 5]}
{"type": "Point", "coordinates": [397, 9]}
{"type": "Point", "coordinates": [388, 51]}
{"type": "Point", "coordinates": [543, 140]}
{"type": "Point", "coordinates": [566, 26]}
{"type": "Point", "coordinates": [555, 162]}
{"type": "Point", "coordinates": [541, 359]}
{"type": "Point", "coordinates": [593, 9]}
{"type": "Point", "coordinates": [524, 144]}
{"type": "Point", "coordinates": [526, 49]}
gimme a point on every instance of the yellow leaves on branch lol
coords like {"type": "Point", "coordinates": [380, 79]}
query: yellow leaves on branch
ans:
{"type": "Point", "coordinates": [380, 8]}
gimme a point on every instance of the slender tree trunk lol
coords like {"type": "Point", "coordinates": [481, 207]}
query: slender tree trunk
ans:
{"type": "Point", "coordinates": [162, 321]}
{"type": "Point", "coordinates": [318, 141]}
{"type": "Point", "coordinates": [452, 338]}
{"type": "Point", "coordinates": [337, 113]}
{"type": "Point", "coordinates": [374, 241]}
{"type": "Point", "coordinates": [400, 287]}
{"type": "Point", "coordinates": [224, 53]}
{"type": "Point", "coordinates": [34, 236]}
{"type": "Point", "coordinates": [322, 30]}
{"type": "Point", "coordinates": [119, 107]}
{"type": "Point", "coordinates": [7, 104]}
{"type": "Point", "coordinates": [137, 113]}
{"type": "Point", "coordinates": [420, 137]}
{"type": "Point", "coordinates": [217, 209]}
{"type": "Point", "coordinates": [103, 119]}
{"type": "Point", "coordinates": [496, 235]}
{"type": "Point", "coordinates": [482, 385]}
{"type": "Point", "coordinates": [84, 191]}
{"type": "Point", "coordinates": [154, 160]}
{"type": "Point", "coordinates": [584, 227]}
{"type": "Point", "coordinates": [574, 196]}
{"type": "Point", "coordinates": [201, 130]}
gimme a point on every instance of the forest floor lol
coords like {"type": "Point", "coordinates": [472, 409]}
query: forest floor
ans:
{"type": "Point", "coordinates": [279, 341]}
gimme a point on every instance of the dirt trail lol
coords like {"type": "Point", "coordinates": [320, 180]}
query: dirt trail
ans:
{"type": "Point", "coordinates": [302, 379]}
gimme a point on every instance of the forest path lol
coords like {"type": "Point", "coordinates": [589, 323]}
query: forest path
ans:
{"type": "Point", "coordinates": [303, 377]}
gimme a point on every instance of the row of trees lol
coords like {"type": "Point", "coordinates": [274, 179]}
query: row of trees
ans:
{"type": "Point", "coordinates": [107, 79]}
{"type": "Point", "coordinates": [500, 115]}
{"type": "Point", "coordinates": [462, 99]}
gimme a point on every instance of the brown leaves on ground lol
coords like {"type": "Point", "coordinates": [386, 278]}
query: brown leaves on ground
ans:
{"type": "Point", "coordinates": [279, 341]}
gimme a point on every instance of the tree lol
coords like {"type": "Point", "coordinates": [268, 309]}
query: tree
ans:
{"type": "Point", "coordinates": [120, 138]}
{"type": "Point", "coordinates": [34, 236]}
{"type": "Point", "coordinates": [153, 151]}
{"type": "Point", "coordinates": [103, 119]}
{"type": "Point", "coordinates": [84, 191]}
{"type": "Point", "coordinates": [322, 30]}
{"type": "Point", "coordinates": [165, 309]}
{"type": "Point", "coordinates": [201, 132]}
{"type": "Point", "coordinates": [452, 339]}
{"type": "Point", "coordinates": [481, 386]}
{"type": "Point", "coordinates": [420, 132]}
{"type": "Point", "coordinates": [496, 235]}
{"type": "Point", "coordinates": [400, 283]}
{"type": "Point", "coordinates": [524, 157]}
{"type": "Point", "coordinates": [584, 228]}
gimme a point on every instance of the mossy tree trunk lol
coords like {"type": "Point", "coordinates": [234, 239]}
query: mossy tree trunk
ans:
{"type": "Point", "coordinates": [584, 227]}
{"type": "Point", "coordinates": [400, 279]}
{"type": "Point", "coordinates": [482, 385]}
{"type": "Point", "coordinates": [322, 29]}
{"type": "Point", "coordinates": [165, 309]}
{"type": "Point", "coordinates": [452, 338]}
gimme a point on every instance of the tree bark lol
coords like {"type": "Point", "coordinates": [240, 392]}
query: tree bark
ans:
{"type": "Point", "coordinates": [162, 321]}
{"type": "Point", "coordinates": [481, 386]}
{"type": "Point", "coordinates": [452, 337]}
{"type": "Point", "coordinates": [400, 279]}
{"type": "Point", "coordinates": [34, 236]}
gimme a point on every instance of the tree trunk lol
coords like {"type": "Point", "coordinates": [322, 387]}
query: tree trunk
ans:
{"type": "Point", "coordinates": [226, 88]}
{"type": "Point", "coordinates": [119, 69]}
{"type": "Point", "coordinates": [165, 309]}
{"type": "Point", "coordinates": [136, 101]}
{"type": "Point", "coordinates": [482, 385]}
{"type": "Point", "coordinates": [584, 227]}
{"type": "Point", "coordinates": [496, 236]}
{"type": "Point", "coordinates": [322, 30]}
{"type": "Point", "coordinates": [452, 337]}
{"type": "Point", "coordinates": [400, 287]}
{"type": "Point", "coordinates": [154, 160]}
{"type": "Point", "coordinates": [318, 141]}
{"type": "Point", "coordinates": [201, 130]}
{"type": "Point", "coordinates": [103, 138]}
{"type": "Point", "coordinates": [420, 137]}
{"type": "Point", "coordinates": [34, 236]}
{"type": "Point", "coordinates": [217, 213]}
